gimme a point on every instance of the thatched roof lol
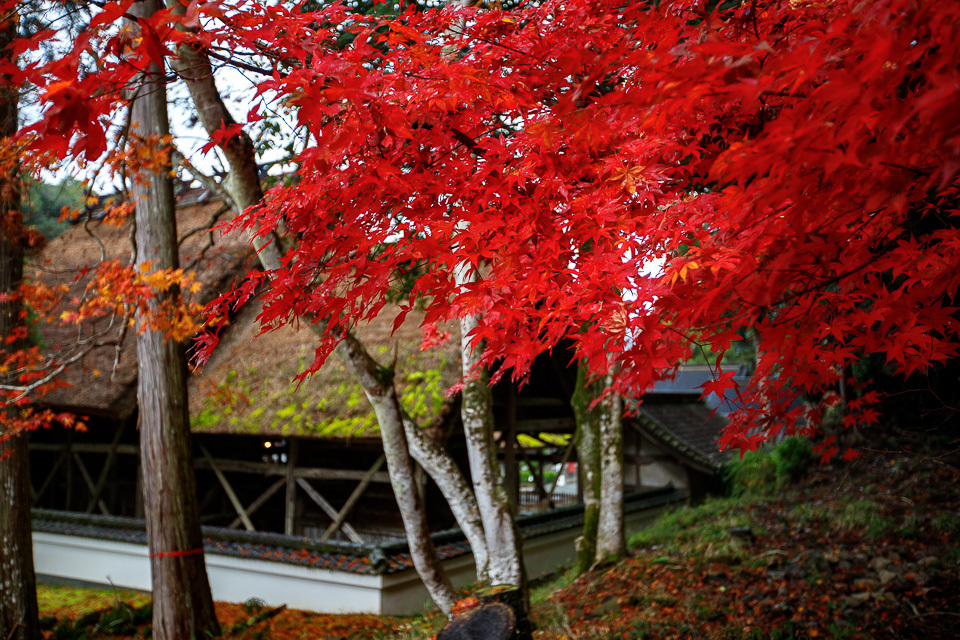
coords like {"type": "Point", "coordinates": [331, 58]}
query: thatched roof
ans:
{"type": "Point", "coordinates": [97, 387]}
{"type": "Point", "coordinates": [247, 386]}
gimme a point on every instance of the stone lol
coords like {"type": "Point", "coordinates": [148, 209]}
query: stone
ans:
{"type": "Point", "coordinates": [886, 577]}
{"type": "Point", "coordinates": [879, 563]}
{"type": "Point", "coordinates": [855, 600]}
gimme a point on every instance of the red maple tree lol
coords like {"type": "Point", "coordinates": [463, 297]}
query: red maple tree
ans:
{"type": "Point", "coordinates": [637, 179]}
{"type": "Point", "coordinates": [792, 166]}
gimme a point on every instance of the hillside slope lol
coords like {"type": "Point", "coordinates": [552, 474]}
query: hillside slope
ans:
{"type": "Point", "coordinates": [865, 550]}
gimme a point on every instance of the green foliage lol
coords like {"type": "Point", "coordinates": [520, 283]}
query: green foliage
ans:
{"type": "Point", "coordinates": [768, 469]}
{"type": "Point", "coordinates": [793, 457]}
{"type": "Point", "coordinates": [121, 619]}
{"type": "Point", "coordinates": [43, 203]}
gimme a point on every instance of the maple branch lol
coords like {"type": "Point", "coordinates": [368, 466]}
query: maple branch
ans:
{"type": "Point", "coordinates": [242, 65]}
{"type": "Point", "coordinates": [207, 181]}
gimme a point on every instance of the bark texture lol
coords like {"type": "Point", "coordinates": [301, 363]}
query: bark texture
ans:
{"type": "Point", "coordinates": [18, 604]}
{"type": "Point", "coordinates": [438, 464]}
{"type": "Point", "coordinates": [588, 417]}
{"type": "Point", "coordinates": [611, 541]}
{"type": "Point", "coordinates": [380, 391]}
{"type": "Point", "coordinates": [18, 593]}
{"type": "Point", "coordinates": [182, 604]}
{"type": "Point", "coordinates": [505, 565]}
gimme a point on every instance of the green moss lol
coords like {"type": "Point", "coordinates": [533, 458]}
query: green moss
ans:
{"type": "Point", "coordinates": [287, 412]}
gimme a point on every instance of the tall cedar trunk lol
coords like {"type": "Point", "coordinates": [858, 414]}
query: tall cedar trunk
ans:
{"type": "Point", "coordinates": [182, 604]}
{"type": "Point", "coordinates": [588, 458]}
{"type": "Point", "coordinates": [18, 602]}
{"type": "Point", "coordinates": [382, 394]}
{"type": "Point", "coordinates": [476, 412]}
{"type": "Point", "coordinates": [611, 542]}
{"type": "Point", "coordinates": [244, 187]}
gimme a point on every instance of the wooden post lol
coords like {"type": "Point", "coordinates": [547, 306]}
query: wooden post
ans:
{"type": "Point", "coordinates": [107, 464]}
{"type": "Point", "coordinates": [69, 469]}
{"type": "Point", "coordinates": [290, 515]}
{"type": "Point", "coordinates": [512, 475]}
{"type": "Point", "coordinates": [87, 480]}
{"type": "Point", "coordinates": [348, 505]}
{"type": "Point", "coordinates": [537, 476]}
{"type": "Point", "coordinates": [563, 462]}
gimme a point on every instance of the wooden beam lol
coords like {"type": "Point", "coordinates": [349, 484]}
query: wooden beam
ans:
{"type": "Point", "coordinates": [108, 463]}
{"type": "Point", "coordinates": [270, 469]}
{"type": "Point", "coordinates": [290, 500]}
{"type": "Point", "coordinates": [89, 482]}
{"type": "Point", "coordinates": [563, 462]}
{"type": "Point", "coordinates": [328, 509]}
{"type": "Point", "coordinates": [87, 447]}
{"type": "Point", "coordinates": [256, 504]}
{"type": "Point", "coordinates": [341, 518]}
{"type": "Point", "coordinates": [238, 507]}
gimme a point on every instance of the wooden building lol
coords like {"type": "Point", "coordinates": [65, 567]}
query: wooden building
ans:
{"type": "Point", "coordinates": [306, 460]}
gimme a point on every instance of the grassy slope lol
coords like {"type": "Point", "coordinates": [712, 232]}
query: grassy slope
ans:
{"type": "Point", "coordinates": [863, 551]}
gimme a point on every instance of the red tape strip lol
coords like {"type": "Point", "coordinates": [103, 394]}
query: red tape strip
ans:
{"type": "Point", "coordinates": [176, 554]}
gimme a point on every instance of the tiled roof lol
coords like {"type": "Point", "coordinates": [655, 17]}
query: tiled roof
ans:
{"type": "Point", "coordinates": [338, 556]}
{"type": "Point", "coordinates": [688, 428]}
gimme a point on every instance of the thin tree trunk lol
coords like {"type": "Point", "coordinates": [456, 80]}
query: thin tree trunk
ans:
{"type": "Point", "coordinates": [477, 416]}
{"type": "Point", "coordinates": [611, 542]}
{"type": "Point", "coordinates": [182, 603]}
{"type": "Point", "coordinates": [588, 459]}
{"type": "Point", "coordinates": [381, 393]}
{"type": "Point", "coordinates": [438, 464]}
{"type": "Point", "coordinates": [18, 602]}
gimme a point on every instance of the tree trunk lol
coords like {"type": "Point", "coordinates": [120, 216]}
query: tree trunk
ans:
{"type": "Point", "coordinates": [382, 395]}
{"type": "Point", "coordinates": [588, 460]}
{"type": "Point", "coordinates": [611, 542]}
{"type": "Point", "coordinates": [182, 604]}
{"type": "Point", "coordinates": [194, 67]}
{"type": "Point", "coordinates": [18, 603]}
{"type": "Point", "coordinates": [438, 464]}
{"type": "Point", "coordinates": [505, 566]}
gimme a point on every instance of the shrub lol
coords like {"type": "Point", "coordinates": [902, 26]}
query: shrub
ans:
{"type": "Point", "coordinates": [793, 457]}
{"type": "Point", "coordinates": [769, 468]}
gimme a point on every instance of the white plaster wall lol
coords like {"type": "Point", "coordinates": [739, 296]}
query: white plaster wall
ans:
{"type": "Point", "coordinates": [660, 473]}
{"type": "Point", "coordinates": [99, 561]}
{"type": "Point", "coordinates": [239, 579]}
{"type": "Point", "coordinates": [299, 587]}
